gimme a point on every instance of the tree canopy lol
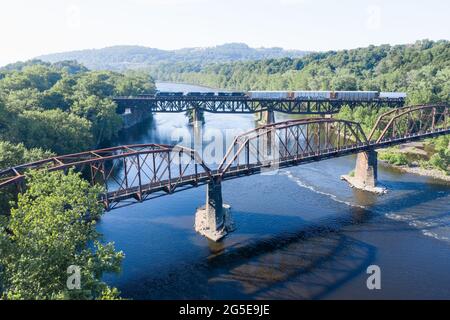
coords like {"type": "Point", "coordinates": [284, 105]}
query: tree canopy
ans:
{"type": "Point", "coordinates": [63, 107]}
{"type": "Point", "coordinates": [421, 69]}
{"type": "Point", "coordinates": [51, 228]}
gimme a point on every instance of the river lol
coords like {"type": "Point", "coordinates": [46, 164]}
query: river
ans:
{"type": "Point", "coordinates": [301, 233]}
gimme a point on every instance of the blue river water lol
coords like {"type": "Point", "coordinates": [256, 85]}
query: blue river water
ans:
{"type": "Point", "coordinates": [301, 233]}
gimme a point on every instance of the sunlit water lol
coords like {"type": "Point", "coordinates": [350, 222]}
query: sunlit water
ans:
{"type": "Point", "coordinates": [301, 234]}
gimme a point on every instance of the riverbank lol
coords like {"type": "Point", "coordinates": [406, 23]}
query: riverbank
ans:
{"type": "Point", "coordinates": [431, 173]}
{"type": "Point", "coordinates": [408, 157]}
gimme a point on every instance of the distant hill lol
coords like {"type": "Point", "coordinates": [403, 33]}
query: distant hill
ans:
{"type": "Point", "coordinates": [119, 58]}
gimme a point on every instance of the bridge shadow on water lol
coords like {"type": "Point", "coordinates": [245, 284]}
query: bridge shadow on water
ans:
{"type": "Point", "coordinates": [285, 257]}
{"type": "Point", "coordinates": [305, 261]}
{"type": "Point", "coordinates": [307, 264]}
{"type": "Point", "coordinates": [303, 264]}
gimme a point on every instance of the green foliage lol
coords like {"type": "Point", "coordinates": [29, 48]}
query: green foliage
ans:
{"type": "Point", "coordinates": [394, 157]}
{"type": "Point", "coordinates": [102, 114]}
{"type": "Point", "coordinates": [367, 117]}
{"type": "Point", "coordinates": [439, 161]}
{"type": "Point", "coordinates": [4, 117]}
{"type": "Point", "coordinates": [441, 158]}
{"type": "Point", "coordinates": [63, 107]}
{"type": "Point", "coordinates": [134, 83]}
{"type": "Point", "coordinates": [97, 83]}
{"type": "Point", "coordinates": [442, 143]}
{"type": "Point", "coordinates": [54, 130]}
{"type": "Point", "coordinates": [34, 76]}
{"type": "Point", "coordinates": [12, 155]}
{"type": "Point", "coordinates": [421, 69]}
{"type": "Point", "coordinates": [25, 99]}
{"type": "Point", "coordinates": [51, 228]}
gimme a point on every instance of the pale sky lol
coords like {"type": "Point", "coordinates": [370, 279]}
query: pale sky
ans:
{"type": "Point", "coordinates": [31, 28]}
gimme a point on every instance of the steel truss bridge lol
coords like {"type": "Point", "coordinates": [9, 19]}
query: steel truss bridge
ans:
{"type": "Point", "coordinates": [244, 104]}
{"type": "Point", "coordinates": [136, 173]}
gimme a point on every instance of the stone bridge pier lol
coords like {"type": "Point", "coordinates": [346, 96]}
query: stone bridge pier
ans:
{"type": "Point", "coordinates": [267, 117]}
{"type": "Point", "coordinates": [366, 173]}
{"type": "Point", "coordinates": [197, 117]}
{"type": "Point", "coordinates": [213, 220]}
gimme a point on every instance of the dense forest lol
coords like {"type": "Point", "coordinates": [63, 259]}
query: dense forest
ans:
{"type": "Point", "coordinates": [48, 109]}
{"type": "Point", "coordinates": [61, 107]}
{"type": "Point", "coordinates": [120, 58]}
{"type": "Point", "coordinates": [421, 69]}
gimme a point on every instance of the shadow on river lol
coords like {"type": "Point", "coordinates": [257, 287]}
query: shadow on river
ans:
{"type": "Point", "coordinates": [301, 233]}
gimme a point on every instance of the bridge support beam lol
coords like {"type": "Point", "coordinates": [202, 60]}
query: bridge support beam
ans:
{"type": "Point", "coordinates": [196, 117]}
{"type": "Point", "coordinates": [366, 173]}
{"type": "Point", "coordinates": [267, 117]}
{"type": "Point", "coordinates": [214, 220]}
{"type": "Point", "coordinates": [198, 137]}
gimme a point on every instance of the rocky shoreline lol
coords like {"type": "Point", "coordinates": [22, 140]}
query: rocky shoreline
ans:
{"type": "Point", "coordinates": [431, 173]}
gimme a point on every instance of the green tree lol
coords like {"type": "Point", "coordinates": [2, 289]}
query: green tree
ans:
{"type": "Point", "coordinates": [20, 100]}
{"type": "Point", "coordinates": [97, 83]}
{"type": "Point", "coordinates": [134, 83]}
{"type": "Point", "coordinates": [12, 155]}
{"type": "Point", "coordinates": [4, 117]}
{"type": "Point", "coordinates": [102, 114]}
{"type": "Point", "coordinates": [54, 130]}
{"type": "Point", "coordinates": [51, 228]}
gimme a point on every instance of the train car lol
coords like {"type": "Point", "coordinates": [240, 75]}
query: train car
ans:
{"type": "Point", "coordinates": [231, 94]}
{"type": "Point", "coordinates": [312, 95]}
{"type": "Point", "coordinates": [200, 94]}
{"type": "Point", "coordinates": [168, 94]}
{"type": "Point", "coordinates": [269, 94]}
{"type": "Point", "coordinates": [355, 95]}
{"type": "Point", "coordinates": [392, 95]}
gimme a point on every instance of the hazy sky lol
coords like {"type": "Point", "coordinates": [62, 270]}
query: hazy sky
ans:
{"type": "Point", "coordinates": [30, 28]}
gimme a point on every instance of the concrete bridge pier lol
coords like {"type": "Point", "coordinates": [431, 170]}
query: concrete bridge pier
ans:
{"type": "Point", "coordinates": [214, 220]}
{"type": "Point", "coordinates": [267, 117]}
{"type": "Point", "coordinates": [366, 173]}
{"type": "Point", "coordinates": [197, 117]}
{"type": "Point", "coordinates": [198, 137]}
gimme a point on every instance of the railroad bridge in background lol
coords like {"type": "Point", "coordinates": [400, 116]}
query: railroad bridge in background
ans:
{"type": "Point", "coordinates": [135, 173]}
{"type": "Point", "coordinates": [264, 103]}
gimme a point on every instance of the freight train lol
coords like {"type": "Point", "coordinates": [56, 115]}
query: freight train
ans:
{"type": "Point", "coordinates": [327, 95]}
{"type": "Point", "coordinates": [291, 95]}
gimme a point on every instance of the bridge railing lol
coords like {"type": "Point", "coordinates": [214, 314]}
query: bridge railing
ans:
{"type": "Point", "coordinates": [137, 171]}
{"type": "Point", "coordinates": [125, 171]}
{"type": "Point", "coordinates": [271, 145]}
{"type": "Point", "coordinates": [219, 104]}
{"type": "Point", "coordinates": [410, 121]}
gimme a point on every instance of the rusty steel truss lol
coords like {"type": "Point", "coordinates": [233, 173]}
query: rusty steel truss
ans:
{"type": "Point", "coordinates": [217, 104]}
{"type": "Point", "coordinates": [143, 171]}
{"type": "Point", "coordinates": [133, 171]}
{"type": "Point", "coordinates": [409, 122]}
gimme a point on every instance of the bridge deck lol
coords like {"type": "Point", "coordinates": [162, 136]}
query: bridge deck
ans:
{"type": "Point", "coordinates": [145, 171]}
{"type": "Point", "coordinates": [190, 181]}
{"type": "Point", "coordinates": [218, 104]}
